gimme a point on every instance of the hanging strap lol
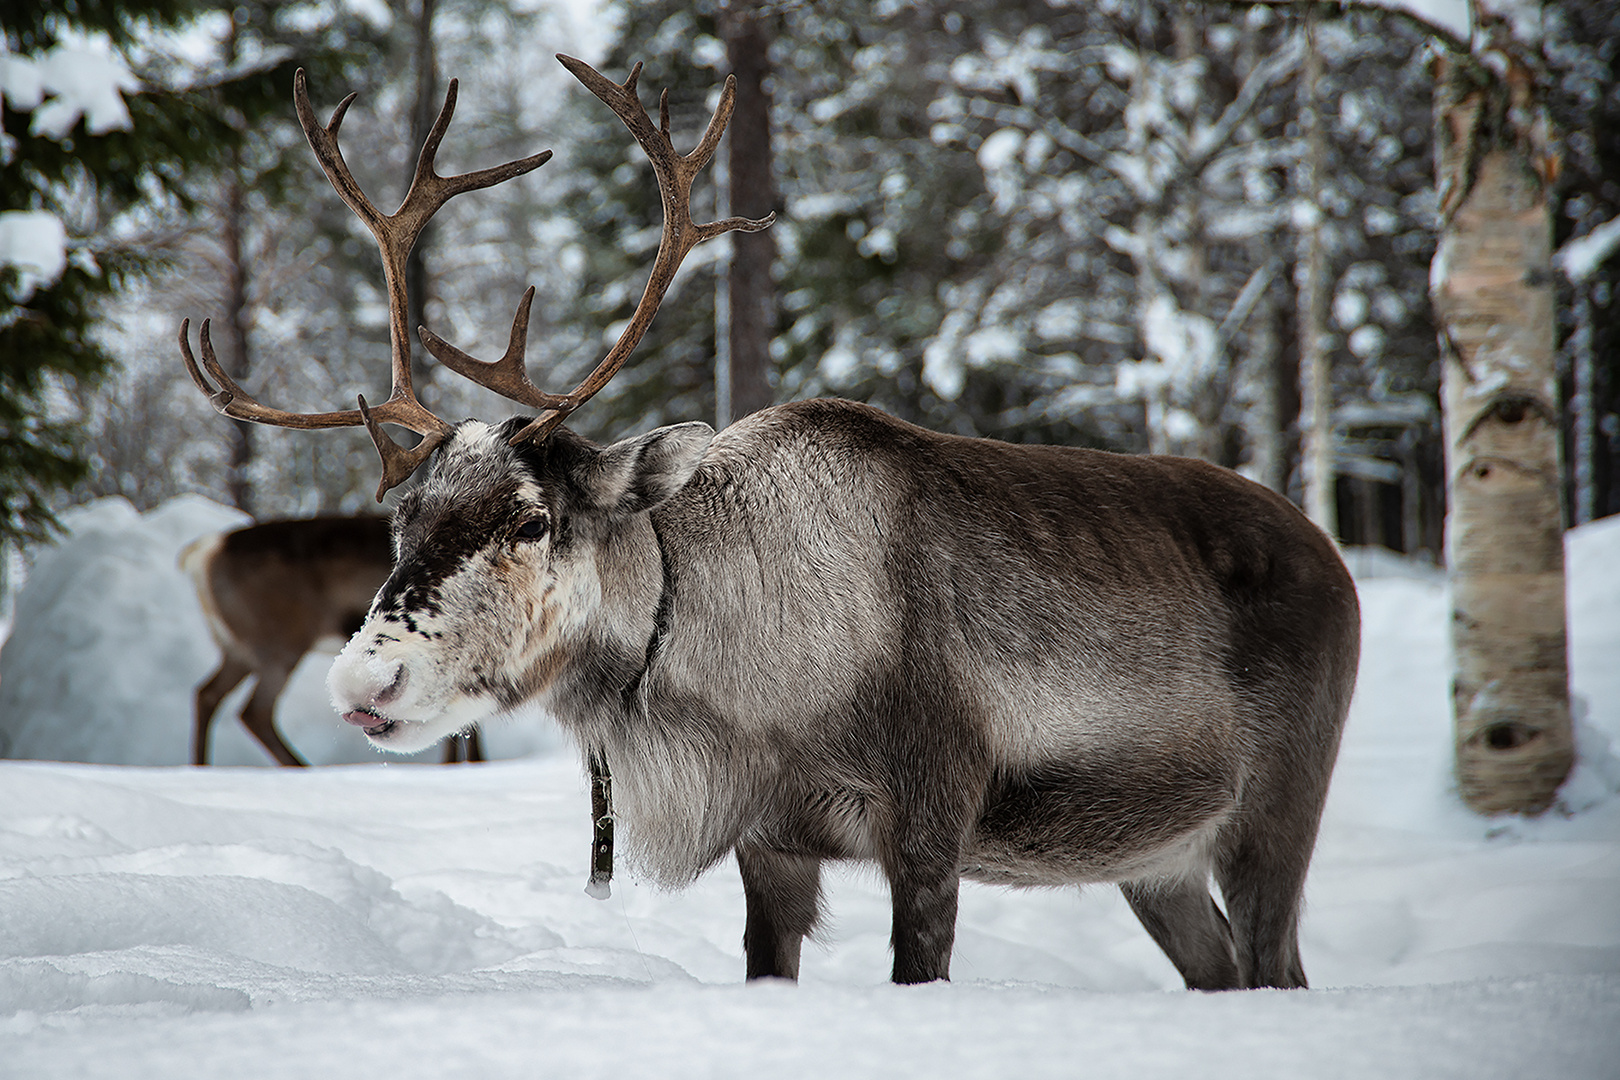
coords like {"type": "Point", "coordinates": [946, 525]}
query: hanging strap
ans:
{"type": "Point", "coordinates": [599, 885]}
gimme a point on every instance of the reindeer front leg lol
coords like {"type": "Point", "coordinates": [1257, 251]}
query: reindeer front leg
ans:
{"type": "Point", "coordinates": [783, 894]}
{"type": "Point", "coordinates": [923, 888]}
{"type": "Point", "coordinates": [931, 812]}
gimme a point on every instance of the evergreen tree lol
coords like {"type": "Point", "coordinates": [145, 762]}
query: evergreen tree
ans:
{"type": "Point", "coordinates": [118, 188]}
{"type": "Point", "coordinates": [1583, 53]}
{"type": "Point", "coordinates": [957, 246]}
{"type": "Point", "coordinates": [1144, 161]}
{"type": "Point", "coordinates": [71, 169]}
{"type": "Point", "coordinates": [889, 221]}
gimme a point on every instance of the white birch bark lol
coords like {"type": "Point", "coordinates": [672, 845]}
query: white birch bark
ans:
{"type": "Point", "coordinates": [1492, 288]}
{"type": "Point", "coordinates": [1315, 372]}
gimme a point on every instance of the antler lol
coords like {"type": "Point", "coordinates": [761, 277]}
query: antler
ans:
{"type": "Point", "coordinates": [395, 234]}
{"type": "Point", "coordinates": [675, 174]}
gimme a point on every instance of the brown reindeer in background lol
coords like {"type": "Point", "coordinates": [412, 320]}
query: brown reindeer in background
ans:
{"type": "Point", "coordinates": [273, 592]}
{"type": "Point", "coordinates": [827, 634]}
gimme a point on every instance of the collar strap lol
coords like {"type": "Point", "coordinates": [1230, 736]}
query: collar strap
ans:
{"type": "Point", "coordinates": [599, 885]}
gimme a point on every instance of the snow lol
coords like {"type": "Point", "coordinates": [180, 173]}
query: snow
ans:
{"type": "Point", "coordinates": [1526, 19]}
{"type": "Point", "coordinates": [1451, 15]}
{"type": "Point", "coordinates": [34, 242]}
{"type": "Point", "coordinates": [1183, 341]}
{"type": "Point", "coordinates": [374, 920]}
{"type": "Point", "coordinates": [79, 79]}
{"type": "Point", "coordinates": [1581, 257]}
{"type": "Point", "coordinates": [1367, 342]}
{"type": "Point", "coordinates": [999, 148]}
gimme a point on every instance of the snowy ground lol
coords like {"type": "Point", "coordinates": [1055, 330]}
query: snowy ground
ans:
{"type": "Point", "coordinates": [403, 920]}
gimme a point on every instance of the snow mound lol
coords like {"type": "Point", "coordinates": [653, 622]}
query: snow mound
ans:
{"type": "Point", "coordinates": [107, 641]}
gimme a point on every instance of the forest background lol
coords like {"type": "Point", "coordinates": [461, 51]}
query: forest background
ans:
{"type": "Point", "coordinates": [1083, 223]}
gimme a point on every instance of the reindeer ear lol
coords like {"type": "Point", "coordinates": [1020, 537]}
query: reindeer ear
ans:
{"type": "Point", "coordinates": [641, 473]}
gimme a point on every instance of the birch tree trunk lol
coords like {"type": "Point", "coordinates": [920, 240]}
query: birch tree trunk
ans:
{"type": "Point", "coordinates": [1263, 367]}
{"type": "Point", "coordinates": [1315, 371]}
{"type": "Point", "coordinates": [1267, 426]}
{"type": "Point", "coordinates": [1492, 289]}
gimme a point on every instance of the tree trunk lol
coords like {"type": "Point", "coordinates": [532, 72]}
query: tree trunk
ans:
{"type": "Point", "coordinates": [1492, 289]}
{"type": "Point", "coordinates": [1150, 287]}
{"type": "Point", "coordinates": [1266, 420]}
{"type": "Point", "coordinates": [751, 292]}
{"type": "Point", "coordinates": [423, 113]}
{"type": "Point", "coordinates": [234, 346]}
{"type": "Point", "coordinates": [1315, 371]}
{"type": "Point", "coordinates": [1264, 369]}
{"type": "Point", "coordinates": [1583, 365]}
{"type": "Point", "coordinates": [234, 343]}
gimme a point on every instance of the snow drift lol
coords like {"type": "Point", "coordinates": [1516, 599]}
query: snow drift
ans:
{"type": "Point", "coordinates": [403, 922]}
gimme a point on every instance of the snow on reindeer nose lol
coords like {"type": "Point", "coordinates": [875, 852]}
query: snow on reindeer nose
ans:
{"type": "Point", "coordinates": [364, 681]}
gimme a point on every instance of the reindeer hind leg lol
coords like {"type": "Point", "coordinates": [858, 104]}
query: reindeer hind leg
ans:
{"type": "Point", "coordinates": [1264, 853]}
{"type": "Point", "coordinates": [783, 896]}
{"type": "Point", "coordinates": [210, 693]}
{"type": "Point", "coordinates": [259, 716]}
{"type": "Point", "coordinates": [1182, 918]}
{"type": "Point", "coordinates": [1264, 885]}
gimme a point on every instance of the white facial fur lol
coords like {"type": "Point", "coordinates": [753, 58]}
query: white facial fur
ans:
{"type": "Point", "coordinates": [478, 616]}
{"type": "Point", "coordinates": [433, 661]}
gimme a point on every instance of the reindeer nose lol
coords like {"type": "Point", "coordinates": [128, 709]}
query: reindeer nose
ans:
{"type": "Point", "coordinates": [392, 691]}
{"type": "Point", "coordinates": [365, 687]}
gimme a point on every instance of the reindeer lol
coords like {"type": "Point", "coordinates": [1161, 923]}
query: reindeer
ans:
{"type": "Point", "coordinates": [827, 634]}
{"type": "Point", "coordinates": [273, 592]}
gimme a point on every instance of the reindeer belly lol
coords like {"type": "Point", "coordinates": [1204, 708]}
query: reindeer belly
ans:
{"type": "Point", "coordinates": [1100, 818]}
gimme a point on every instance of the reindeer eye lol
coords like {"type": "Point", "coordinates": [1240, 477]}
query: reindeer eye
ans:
{"type": "Point", "coordinates": [532, 529]}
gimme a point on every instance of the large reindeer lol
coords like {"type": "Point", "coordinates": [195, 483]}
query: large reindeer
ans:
{"type": "Point", "coordinates": [827, 634]}
{"type": "Point", "coordinates": [273, 592]}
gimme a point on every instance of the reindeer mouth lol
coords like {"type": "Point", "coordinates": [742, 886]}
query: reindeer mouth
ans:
{"type": "Point", "coordinates": [373, 725]}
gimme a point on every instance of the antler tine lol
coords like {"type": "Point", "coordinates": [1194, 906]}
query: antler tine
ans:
{"type": "Point", "coordinates": [395, 234]}
{"type": "Point", "coordinates": [230, 400]}
{"type": "Point", "coordinates": [398, 462]}
{"type": "Point", "coordinates": [323, 140]}
{"type": "Point", "coordinates": [191, 361]}
{"type": "Point", "coordinates": [506, 376]}
{"type": "Point", "coordinates": [429, 190]}
{"type": "Point", "coordinates": [675, 174]}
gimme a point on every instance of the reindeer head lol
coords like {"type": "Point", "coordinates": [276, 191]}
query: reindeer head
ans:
{"type": "Point", "coordinates": [499, 553]}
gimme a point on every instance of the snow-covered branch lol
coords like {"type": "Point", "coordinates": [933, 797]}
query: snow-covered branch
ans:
{"type": "Point", "coordinates": [1247, 298]}
{"type": "Point", "coordinates": [84, 80]}
{"type": "Point", "coordinates": [1207, 143]}
{"type": "Point", "coordinates": [1580, 258]}
{"type": "Point", "coordinates": [1445, 19]}
{"type": "Point", "coordinates": [69, 82]}
{"type": "Point", "coordinates": [1027, 119]}
{"type": "Point", "coordinates": [35, 243]}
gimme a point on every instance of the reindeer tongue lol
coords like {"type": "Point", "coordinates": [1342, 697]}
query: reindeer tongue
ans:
{"type": "Point", "coordinates": [370, 721]}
